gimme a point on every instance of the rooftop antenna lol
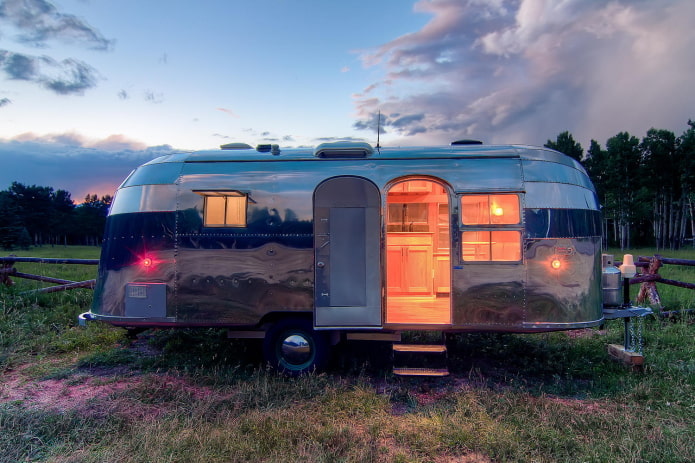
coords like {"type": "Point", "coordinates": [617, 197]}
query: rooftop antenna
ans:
{"type": "Point", "coordinates": [378, 131]}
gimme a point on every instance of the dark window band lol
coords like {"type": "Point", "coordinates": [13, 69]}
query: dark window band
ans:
{"type": "Point", "coordinates": [562, 223]}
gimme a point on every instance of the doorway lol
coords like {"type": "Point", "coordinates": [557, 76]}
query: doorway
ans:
{"type": "Point", "coordinates": [418, 249]}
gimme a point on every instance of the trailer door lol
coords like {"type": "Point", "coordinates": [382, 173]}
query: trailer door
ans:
{"type": "Point", "coordinates": [347, 253]}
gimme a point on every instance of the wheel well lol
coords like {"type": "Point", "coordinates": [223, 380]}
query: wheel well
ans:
{"type": "Point", "coordinates": [274, 317]}
{"type": "Point", "coordinates": [293, 347]}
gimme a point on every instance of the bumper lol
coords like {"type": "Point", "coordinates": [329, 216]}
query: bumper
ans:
{"type": "Point", "coordinates": [85, 317]}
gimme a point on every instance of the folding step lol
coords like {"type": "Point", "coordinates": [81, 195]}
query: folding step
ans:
{"type": "Point", "coordinates": [424, 348]}
{"type": "Point", "coordinates": [421, 371]}
{"type": "Point", "coordinates": [420, 360]}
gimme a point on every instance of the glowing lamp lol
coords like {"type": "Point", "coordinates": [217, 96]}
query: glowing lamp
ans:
{"type": "Point", "coordinates": [556, 264]}
{"type": "Point", "coordinates": [147, 262]}
{"type": "Point", "coordinates": [628, 269]}
{"type": "Point", "coordinates": [497, 211]}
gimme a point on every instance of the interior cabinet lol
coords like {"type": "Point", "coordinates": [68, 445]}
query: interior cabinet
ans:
{"type": "Point", "coordinates": [410, 261]}
{"type": "Point", "coordinates": [442, 278]}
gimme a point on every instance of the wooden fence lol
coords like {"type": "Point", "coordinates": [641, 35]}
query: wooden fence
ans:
{"type": "Point", "coordinates": [649, 276]}
{"type": "Point", "coordinates": [7, 271]}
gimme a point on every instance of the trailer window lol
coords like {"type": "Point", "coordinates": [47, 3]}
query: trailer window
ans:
{"type": "Point", "coordinates": [490, 209]}
{"type": "Point", "coordinates": [225, 209]}
{"type": "Point", "coordinates": [498, 246]}
{"type": "Point", "coordinates": [491, 228]}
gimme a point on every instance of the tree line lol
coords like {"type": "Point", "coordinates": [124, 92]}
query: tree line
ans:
{"type": "Point", "coordinates": [38, 215]}
{"type": "Point", "coordinates": [646, 187]}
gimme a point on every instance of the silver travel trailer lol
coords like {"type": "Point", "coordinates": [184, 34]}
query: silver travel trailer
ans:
{"type": "Point", "coordinates": [307, 247]}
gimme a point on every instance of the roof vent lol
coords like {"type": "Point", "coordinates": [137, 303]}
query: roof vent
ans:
{"type": "Point", "coordinates": [344, 149]}
{"type": "Point", "coordinates": [466, 142]}
{"type": "Point", "coordinates": [236, 146]}
{"type": "Point", "coordinates": [268, 148]}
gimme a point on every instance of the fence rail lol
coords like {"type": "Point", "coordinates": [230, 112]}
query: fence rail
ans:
{"type": "Point", "coordinates": [649, 276]}
{"type": "Point", "coordinates": [8, 270]}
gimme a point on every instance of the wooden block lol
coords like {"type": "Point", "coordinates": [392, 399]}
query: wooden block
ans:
{"type": "Point", "coordinates": [619, 353]}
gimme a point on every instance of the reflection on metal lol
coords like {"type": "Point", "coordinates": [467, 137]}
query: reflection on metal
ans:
{"type": "Point", "coordinates": [296, 349]}
{"type": "Point", "coordinates": [320, 232]}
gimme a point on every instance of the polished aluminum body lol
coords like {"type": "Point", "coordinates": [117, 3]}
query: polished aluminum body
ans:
{"type": "Point", "coordinates": [161, 266]}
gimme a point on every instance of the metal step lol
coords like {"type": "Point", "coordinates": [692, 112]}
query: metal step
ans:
{"type": "Point", "coordinates": [421, 371]}
{"type": "Point", "coordinates": [424, 348]}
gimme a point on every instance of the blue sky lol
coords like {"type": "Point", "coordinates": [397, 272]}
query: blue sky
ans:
{"type": "Point", "coordinates": [89, 89]}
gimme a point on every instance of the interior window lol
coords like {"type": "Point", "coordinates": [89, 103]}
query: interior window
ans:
{"type": "Point", "coordinates": [407, 216]}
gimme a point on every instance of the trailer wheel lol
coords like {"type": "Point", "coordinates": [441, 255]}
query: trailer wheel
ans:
{"type": "Point", "coordinates": [293, 347]}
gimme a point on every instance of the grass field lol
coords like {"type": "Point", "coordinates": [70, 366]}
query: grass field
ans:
{"type": "Point", "coordinates": [70, 394]}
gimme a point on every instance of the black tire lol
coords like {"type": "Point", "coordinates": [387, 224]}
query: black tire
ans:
{"type": "Point", "coordinates": [291, 346]}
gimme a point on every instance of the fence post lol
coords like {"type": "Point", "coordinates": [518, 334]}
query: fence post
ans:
{"type": "Point", "coordinates": [648, 289]}
{"type": "Point", "coordinates": [6, 270]}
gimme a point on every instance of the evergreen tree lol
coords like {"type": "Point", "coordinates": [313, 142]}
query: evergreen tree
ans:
{"type": "Point", "coordinates": [565, 143]}
{"type": "Point", "coordinates": [661, 178]}
{"type": "Point", "coordinates": [596, 164]}
{"type": "Point", "coordinates": [91, 215]}
{"type": "Point", "coordinates": [623, 164]}
{"type": "Point", "coordinates": [685, 148]}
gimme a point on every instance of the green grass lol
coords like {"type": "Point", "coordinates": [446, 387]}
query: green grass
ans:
{"type": "Point", "coordinates": [194, 396]}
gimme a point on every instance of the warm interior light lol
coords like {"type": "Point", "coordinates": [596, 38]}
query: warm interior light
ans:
{"type": "Point", "coordinates": [556, 264]}
{"type": "Point", "coordinates": [497, 211]}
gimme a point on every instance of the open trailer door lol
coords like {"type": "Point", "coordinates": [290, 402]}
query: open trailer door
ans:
{"type": "Point", "coordinates": [418, 248]}
{"type": "Point", "coordinates": [347, 231]}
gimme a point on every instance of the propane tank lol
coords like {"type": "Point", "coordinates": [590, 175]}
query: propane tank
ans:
{"type": "Point", "coordinates": [611, 282]}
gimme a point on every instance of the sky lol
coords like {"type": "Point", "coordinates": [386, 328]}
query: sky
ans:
{"type": "Point", "coordinates": [90, 89]}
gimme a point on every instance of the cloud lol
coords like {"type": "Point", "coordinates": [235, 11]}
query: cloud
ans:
{"type": "Point", "coordinates": [71, 76]}
{"type": "Point", "coordinates": [153, 97]}
{"type": "Point", "coordinates": [117, 142]}
{"type": "Point", "coordinates": [114, 143]}
{"type": "Point", "coordinates": [72, 162]}
{"type": "Point", "coordinates": [68, 76]}
{"type": "Point", "coordinates": [18, 67]}
{"type": "Point", "coordinates": [39, 21]}
{"type": "Point", "coordinates": [524, 71]}
{"type": "Point", "coordinates": [4, 102]}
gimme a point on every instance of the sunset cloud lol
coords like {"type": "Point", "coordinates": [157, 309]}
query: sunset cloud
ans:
{"type": "Point", "coordinates": [228, 112]}
{"type": "Point", "coordinates": [72, 162]}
